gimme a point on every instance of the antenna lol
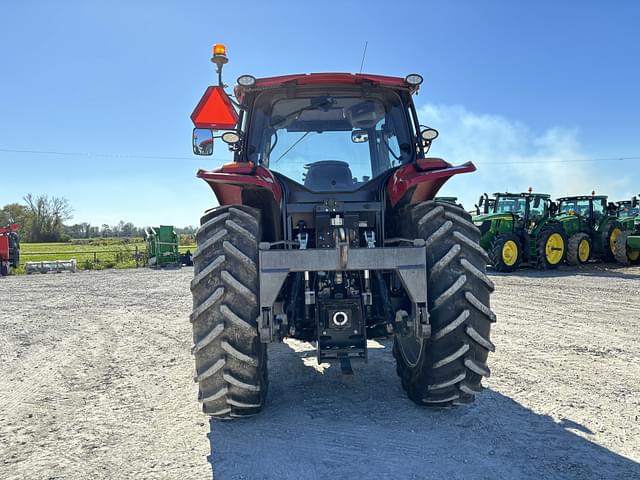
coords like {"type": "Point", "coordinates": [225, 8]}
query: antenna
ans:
{"type": "Point", "coordinates": [364, 54]}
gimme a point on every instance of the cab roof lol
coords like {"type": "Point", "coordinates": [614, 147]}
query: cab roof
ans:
{"type": "Point", "coordinates": [327, 79]}
{"type": "Point", "coordinates": [331, 78]}
{"type": "Point", "coordinates": [583, 197]}
{"type": "Point", "coordinates": [524, 194]}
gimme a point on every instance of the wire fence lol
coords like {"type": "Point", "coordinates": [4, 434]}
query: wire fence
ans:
{"type": "Point", "coordinates": [96, 259]}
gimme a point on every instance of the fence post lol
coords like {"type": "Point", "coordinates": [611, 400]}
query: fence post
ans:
{"type": "Point", "coordinates": [95, 257]}
{"type": "Point", "coordinates": [137, 265]}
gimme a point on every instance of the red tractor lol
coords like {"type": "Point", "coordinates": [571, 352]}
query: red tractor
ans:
{"type": "Point", "coordinates": [9, 248]}
{"type": "Point", "coordinates": [328, 231]}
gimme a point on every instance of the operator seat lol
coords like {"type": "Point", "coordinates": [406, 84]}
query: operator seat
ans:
{"type": "Point", "coordinates": [328, 175]}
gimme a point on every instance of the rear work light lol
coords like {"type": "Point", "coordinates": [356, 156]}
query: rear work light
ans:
{"type": "Point", "coordinates": [413, 79]}
{"type": "Point", "coordinates": [246, 80]}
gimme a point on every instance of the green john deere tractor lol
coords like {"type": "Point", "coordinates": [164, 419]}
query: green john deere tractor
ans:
{"type": "Point", "coordinates": [592, 227]}
{"type": "Point", "coordinates": [520, 228]}
{"type": "Point", "coordinates": [628, 245]}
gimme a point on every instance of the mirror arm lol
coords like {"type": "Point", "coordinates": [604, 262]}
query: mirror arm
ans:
{"type": "Point", "coordinates": [237, 105]}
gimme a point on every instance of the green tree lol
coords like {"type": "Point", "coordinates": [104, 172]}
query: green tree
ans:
{"type": "Point", "coordinates": [47, 217]}
{"type": "Point", "coordinates": [16, 213]}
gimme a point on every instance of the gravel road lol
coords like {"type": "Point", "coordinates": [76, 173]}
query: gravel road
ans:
{"type": "Point", "coordinates": [95, 383]}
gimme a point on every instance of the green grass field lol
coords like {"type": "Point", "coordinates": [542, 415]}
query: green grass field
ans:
{"type": "Point", "coordinates": [93, 254]}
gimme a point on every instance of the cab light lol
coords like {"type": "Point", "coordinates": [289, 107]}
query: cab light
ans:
{"type": "Point", "coordinates": [414, 79]}
{"type": "Point", "coordinates": [246, 80]}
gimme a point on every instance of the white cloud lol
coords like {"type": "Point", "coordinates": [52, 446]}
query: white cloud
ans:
{"type": "Point", "coordinates": [485, 139]}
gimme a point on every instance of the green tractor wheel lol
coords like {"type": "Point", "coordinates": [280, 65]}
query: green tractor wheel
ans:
{"type": "Point", "coordinates": [610, 235]}
{"type": "Point", "coordinates": [551, 246]}
{"type": "Point", "coordinates": [506, 252]}
{"type": "Point", "coordinates": [624, 255]}
{"type": "Point", "coordinates": [579, 249]}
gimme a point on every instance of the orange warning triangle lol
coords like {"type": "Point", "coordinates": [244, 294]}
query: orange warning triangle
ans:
{"type": "Point", "coordinates": [215, 111]}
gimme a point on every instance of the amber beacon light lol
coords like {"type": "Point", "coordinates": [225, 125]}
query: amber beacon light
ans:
{"type": "Point", "coordinates": [219, 50]}
{"type": "Point", "coordinates": [219, 58]}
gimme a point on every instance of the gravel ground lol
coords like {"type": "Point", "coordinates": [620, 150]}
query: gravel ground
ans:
{"type": "Point", "coordinates": [95, 382]}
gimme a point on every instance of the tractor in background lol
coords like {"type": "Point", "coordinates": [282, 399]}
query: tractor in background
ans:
{"type": "Point", "coordinates": [162, 247]}
{"type": "Point", "coordinates": [9, 248]}
{"type": "Point", "coordinates": [520, 228]}
{"type": "Point", "coordinates": [592, 227]}
{"type": "Point", "coordinates": [628, 244]}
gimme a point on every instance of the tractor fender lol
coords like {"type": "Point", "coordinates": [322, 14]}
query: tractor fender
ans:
{"type": "Point", "coordinates": [420, 181]}
{"type": "Point", "coordinates": [243, 183]}
{"type": "Point", "coordinates": [230, 181]}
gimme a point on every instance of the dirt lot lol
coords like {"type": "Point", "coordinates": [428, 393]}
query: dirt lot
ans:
{"type": "Point", "coordinates": [95, 382]}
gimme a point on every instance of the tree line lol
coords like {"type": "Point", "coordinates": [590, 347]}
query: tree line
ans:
{"type": "Point", "coordinates": [42, 219]}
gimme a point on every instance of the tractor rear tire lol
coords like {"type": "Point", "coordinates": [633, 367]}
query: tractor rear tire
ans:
{"type": "Point", "coordinates": [579, 249]}
{"type": "Point", "coordinates": [623, 255]}
{"type": "Point", "coordinates": [609, 240]}
{"type": "Point", "coordinates": [451, 363]}
{"type": "Point", "coordinates": [501, 252]}
{"type": "Point", "coordinates": [231, 362]}
{"type": "Point", "coordinates": [551, 247]}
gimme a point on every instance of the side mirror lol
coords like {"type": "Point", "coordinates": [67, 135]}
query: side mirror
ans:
{"type": "Point", "coordinates": [634, 202]}
{"type": "Point", "coordinates": [202, 141]}
{"type": "Point", "coordinates": [359, 136]}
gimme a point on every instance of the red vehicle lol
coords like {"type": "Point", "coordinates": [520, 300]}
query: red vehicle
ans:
{"type": "Point", "coordinates": [9, 248]}
{"type": "Point", "coordinates": [328, 231]}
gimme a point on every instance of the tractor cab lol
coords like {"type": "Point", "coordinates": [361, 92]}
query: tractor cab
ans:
{"type": "Point", "coordinates": [528, 207]}
{"type": "Point", "coordinates": [593, 219]}
{"type": "Point", "coordinates": [628, 212]}
{"type": "Point", "coordinates": [589, 208]}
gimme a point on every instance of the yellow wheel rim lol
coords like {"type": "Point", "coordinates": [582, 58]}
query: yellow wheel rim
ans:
{"type": "Point", "coordinates": [510, 253]}
{"type": "Point", "coordinates": [633, 255]}
{"type": "Point", "coordinates": [554, 249]}
{"type": "Point", "coordinates": [584, 250]}
{"type": "Point", "coordinates": [613, 239]}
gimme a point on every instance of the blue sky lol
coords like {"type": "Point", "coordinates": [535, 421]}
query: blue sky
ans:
{"type": "Point", "coordinates": [536, 83]}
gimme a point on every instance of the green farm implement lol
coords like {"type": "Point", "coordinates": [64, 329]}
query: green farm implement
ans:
{"type": "Point", "coordinates": [519, 227]}
{"type": "Point", "coordinates": [162, 247]}
{"type": "Point", "coordinates": [592, 227]}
